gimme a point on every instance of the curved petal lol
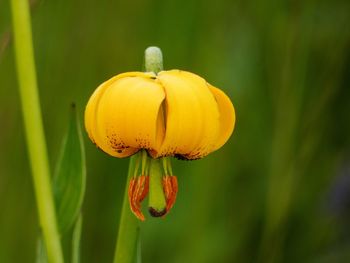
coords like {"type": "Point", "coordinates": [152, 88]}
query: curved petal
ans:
{"type": "Point", "coordinates": [227, 116]}
{"type": "Point", "coordinates": [192, 115]}
{"type": "Point", "coordinates": [127, 114]}
{"type": "Point", "coordinates": [99, 113]}
{"type": "Point", "coordinates": [91, 107]}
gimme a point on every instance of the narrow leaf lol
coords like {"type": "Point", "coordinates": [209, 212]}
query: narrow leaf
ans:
{"type": "Point", "coordinates": [138, 258]}
{"type": "Point", "coordinates": [76, 240]}
{"type": "Point", "coordinates": [70, 176]}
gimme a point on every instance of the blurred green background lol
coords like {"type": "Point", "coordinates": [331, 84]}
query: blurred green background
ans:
{"type": "Point", "coordinates": [278, 191]}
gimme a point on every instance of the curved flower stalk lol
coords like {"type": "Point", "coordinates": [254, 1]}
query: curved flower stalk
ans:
{"type": "Point", "coordinates": [171, 113]}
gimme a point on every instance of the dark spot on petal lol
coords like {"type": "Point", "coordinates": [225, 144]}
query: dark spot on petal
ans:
{"type": "Point", "coordinates": [181, 157]}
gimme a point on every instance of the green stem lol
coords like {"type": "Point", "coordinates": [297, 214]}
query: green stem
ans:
{"type": "Point", "coordinates": [34, 128]}
{"type": "Point", "coordinates": [126, 248]}
{"type": "Point", "coordinates": [128, 226]}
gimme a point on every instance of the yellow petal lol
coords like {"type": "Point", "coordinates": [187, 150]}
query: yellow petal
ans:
{"type": "Point", "coordinates": [91, 107]}
{"type": "Point", "coordinates": [121, 115]}
{"type": "Point", "coordinates": [227, 116]}
{"type": "Point", "coordinates": [128, 112]}
{"type": "Point", "coordinates": [192, 115]}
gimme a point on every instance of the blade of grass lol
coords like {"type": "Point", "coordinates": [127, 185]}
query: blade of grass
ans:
{"type": "Point", "coordinates": [76, 240]}
{"type": "Point", "coordinates": [138, 256]}
{"type": "Point", "coordinates": [34, 128]}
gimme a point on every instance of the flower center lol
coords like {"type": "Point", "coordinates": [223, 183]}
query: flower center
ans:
{"type": "Point", "coordinates": [155, 177]}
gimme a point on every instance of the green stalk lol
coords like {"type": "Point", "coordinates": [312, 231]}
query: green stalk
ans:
{"type": "Point", "coordinates": [34, 128]}
{"type": "Point", "coordinates": [127, 240]}
{"type": "Point", "coordinates": [128, 226]}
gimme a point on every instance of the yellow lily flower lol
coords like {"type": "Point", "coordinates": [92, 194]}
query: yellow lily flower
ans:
{"type": "Point", "coordinates": [172, 113]}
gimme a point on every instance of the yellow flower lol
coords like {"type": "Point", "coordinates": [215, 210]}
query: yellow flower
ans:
{"type": "Point", "coordinates": [172, 113]}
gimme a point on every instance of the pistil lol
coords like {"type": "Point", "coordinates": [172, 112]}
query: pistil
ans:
{"type": "Point", "coordinates": [157, 200]}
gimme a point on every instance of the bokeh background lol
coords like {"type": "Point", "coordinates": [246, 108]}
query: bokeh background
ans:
{"type": "Point", "coordinates": [278, 191]}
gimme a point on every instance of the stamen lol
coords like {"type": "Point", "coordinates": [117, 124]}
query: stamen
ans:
{"type": "Point", "coordinates": [170, 186]}
{"type": "Point", "coordinates": [138, 187]}
{"type": "Point", "coordinates": [160, 183]}
{"type": "Point", "coordinates": [144, 162]}
{"type": "Point", "coordinates": [145, 189]}
{"type": "Point", "coordinates": [131, 193]}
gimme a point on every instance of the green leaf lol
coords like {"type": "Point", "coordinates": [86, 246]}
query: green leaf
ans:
{"type": "Point", "coordinates": [76, 240]}
{"type": "Point", "coordinates": [138, 257]}
{"type": "Point", "coordinates": [70, 176]}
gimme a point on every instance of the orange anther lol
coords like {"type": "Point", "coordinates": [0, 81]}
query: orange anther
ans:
{"type": "Point", "coordinates": [170, 187]}
{"type": "Point", "coordinates": [138, 189]}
